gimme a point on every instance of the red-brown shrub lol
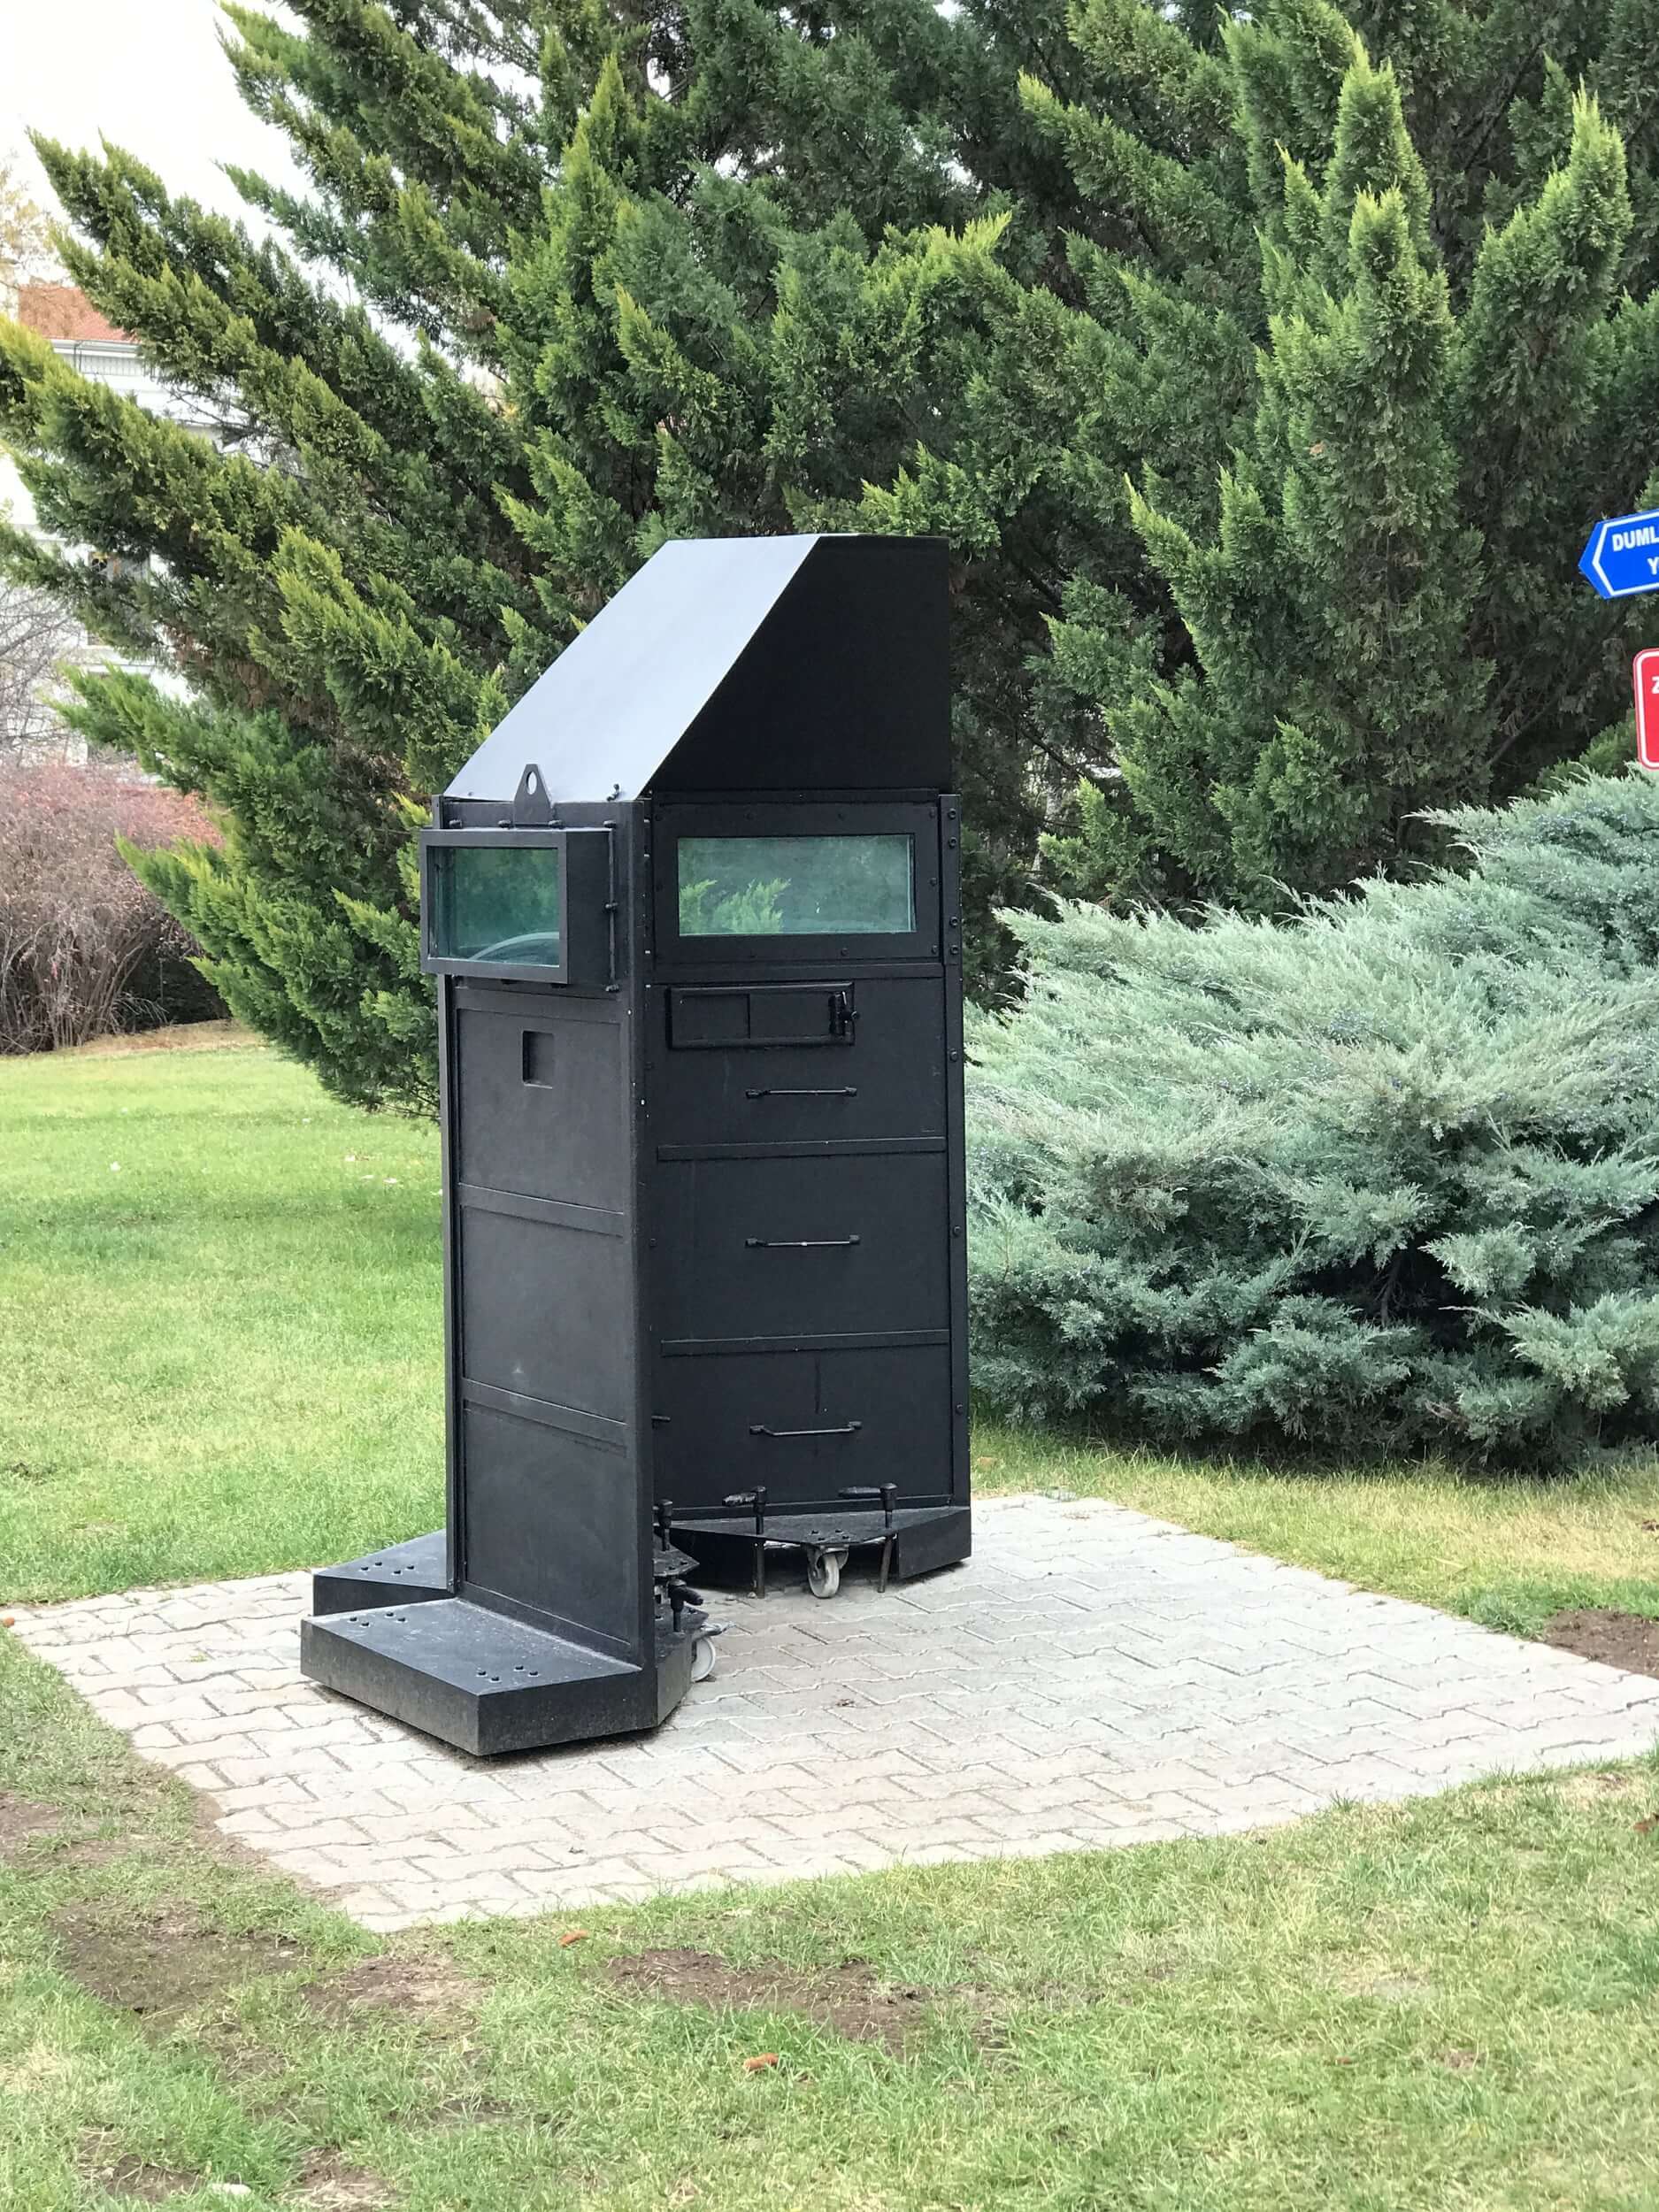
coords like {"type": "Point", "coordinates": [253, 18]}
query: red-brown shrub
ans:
{"type": "Point", "coordinates": [85, 949]}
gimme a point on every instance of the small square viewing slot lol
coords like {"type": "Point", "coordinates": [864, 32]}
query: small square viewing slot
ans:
{"type": "Point", "coordinates": [538, 1057]}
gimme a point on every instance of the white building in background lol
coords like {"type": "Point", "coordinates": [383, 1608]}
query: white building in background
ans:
{"type": "Point", "coordinates": [96, 350]}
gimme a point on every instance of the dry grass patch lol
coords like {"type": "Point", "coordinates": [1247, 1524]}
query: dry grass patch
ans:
{"type": "Point", "coordinates": [209, 1036]}
{"type": "Point", "coordinates": [329, 2183]}
{"type": "Point", "coordinates": [428, 1991]}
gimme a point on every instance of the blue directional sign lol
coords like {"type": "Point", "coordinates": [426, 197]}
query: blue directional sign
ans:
{"type": "Point", "coordinates": [1622, 558]}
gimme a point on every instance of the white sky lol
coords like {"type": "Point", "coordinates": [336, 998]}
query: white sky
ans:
{"type": "Point", "coordinates": [148, 74]}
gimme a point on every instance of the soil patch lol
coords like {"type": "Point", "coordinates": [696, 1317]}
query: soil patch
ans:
{"type": "Point", "coordinates": [20, 1820]}
{"type": "Point", "coordinates": [330, 2185]}
{"type": "Point", "coordinates": [159, 1967]}
{"type": "Point", "coordinates": [849, 2000]}
{"type": "Point", "coordinates": [1617, 1639]}
{"type": "Point", "coordinates": [413, 1988]}
{"type": "Point", "coordinates": [127, 2177]}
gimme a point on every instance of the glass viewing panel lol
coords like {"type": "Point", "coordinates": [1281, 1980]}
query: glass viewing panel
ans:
{"type": "Point", "coordinates": [496, 902]}
{"type": "Point", "coordinates": [796, 887]}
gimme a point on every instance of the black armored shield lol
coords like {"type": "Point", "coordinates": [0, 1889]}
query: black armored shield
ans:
{"type": "Point", "coordinates": [693, 907]}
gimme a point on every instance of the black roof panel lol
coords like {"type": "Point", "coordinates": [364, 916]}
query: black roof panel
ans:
{"type": "Point", "coordinates": [796, 663]}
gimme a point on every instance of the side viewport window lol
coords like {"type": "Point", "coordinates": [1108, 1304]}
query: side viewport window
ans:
{"type": "Point", "coordinates": [496, 902]}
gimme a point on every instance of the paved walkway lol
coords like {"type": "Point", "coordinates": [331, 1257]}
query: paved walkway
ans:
{"type": "Point", "coordinates": [1091, 1678]}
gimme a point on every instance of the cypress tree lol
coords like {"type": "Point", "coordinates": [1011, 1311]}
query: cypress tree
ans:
{"type": "Point", "coordinates": [619, 273]}
{"type": "Point", "coordinates": [1433, 334]}
{"type": "Point", "coordinates": [1255, 382]}
{"type": "Point", "coordinates": [623, 315]}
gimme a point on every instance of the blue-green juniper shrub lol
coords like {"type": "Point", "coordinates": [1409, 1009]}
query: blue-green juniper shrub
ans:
{"type": "Point", "coordinates": [1384, 1177]}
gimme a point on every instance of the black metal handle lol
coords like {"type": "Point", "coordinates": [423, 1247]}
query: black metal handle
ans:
{"type": "Point", "coordinates": [799, 1244]}
{"type": "Point", "coordinates": [842, 1013]}
{"type": "Point", "coordinates": [849, 1090]}
{"type": "Point", "coordinates": [846, 1428]}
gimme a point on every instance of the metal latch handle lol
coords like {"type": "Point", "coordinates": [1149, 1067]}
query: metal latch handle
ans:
{"type": "Point", "coordinates": [799, 1244]}
{"type": "Point", "coordinates": [846, 1428]}
{"type": "Point", "coordinates": [850, 1091]}
{"type": "Point", "coordinates": [884, 1494]}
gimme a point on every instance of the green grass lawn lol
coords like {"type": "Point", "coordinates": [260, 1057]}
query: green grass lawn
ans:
{"type": "Point", "coordinates": [219, 1322]}
{"type": "Point", "coordinates": [218, 1325]}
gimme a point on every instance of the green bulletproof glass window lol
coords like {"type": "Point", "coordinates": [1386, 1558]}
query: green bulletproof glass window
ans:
{"type": "Point", "coordinates": [496, 902]}
{"type": "Point", "coordinates": [798, 887]}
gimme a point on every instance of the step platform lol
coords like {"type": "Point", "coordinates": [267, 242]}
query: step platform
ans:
{"type": "Point", "coordinates": [925, 1538]}
{"type": "Point", "coordinates": [399, 1574]}
{"type": "Point", "coordinates": [487, 1683]}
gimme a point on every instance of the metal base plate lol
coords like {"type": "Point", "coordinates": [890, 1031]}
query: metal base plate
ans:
{"type": "Point", "coordinates": [484, 1683]}
{"type": "Point", "coordinates": [401, 1574]}
{"type": "Point", "coordinates": [924, 1538]}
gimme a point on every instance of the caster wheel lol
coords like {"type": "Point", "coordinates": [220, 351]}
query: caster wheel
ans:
{"type": "Point", "coordinates": [823, 1572]}
{"type": "Point", "coordinates": [703, 1655]}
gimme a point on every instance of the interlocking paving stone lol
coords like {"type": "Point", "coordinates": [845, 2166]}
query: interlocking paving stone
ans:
{"type": "Point", "coordinates": [1091, 1678]}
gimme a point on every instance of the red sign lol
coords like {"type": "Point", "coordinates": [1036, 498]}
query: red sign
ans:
{"type": "Point", "coordinates": [1645, 675]}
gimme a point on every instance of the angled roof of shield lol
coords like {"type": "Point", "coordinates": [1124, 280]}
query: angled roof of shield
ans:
{"type": "Point", "coordinates": [727, 664]}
